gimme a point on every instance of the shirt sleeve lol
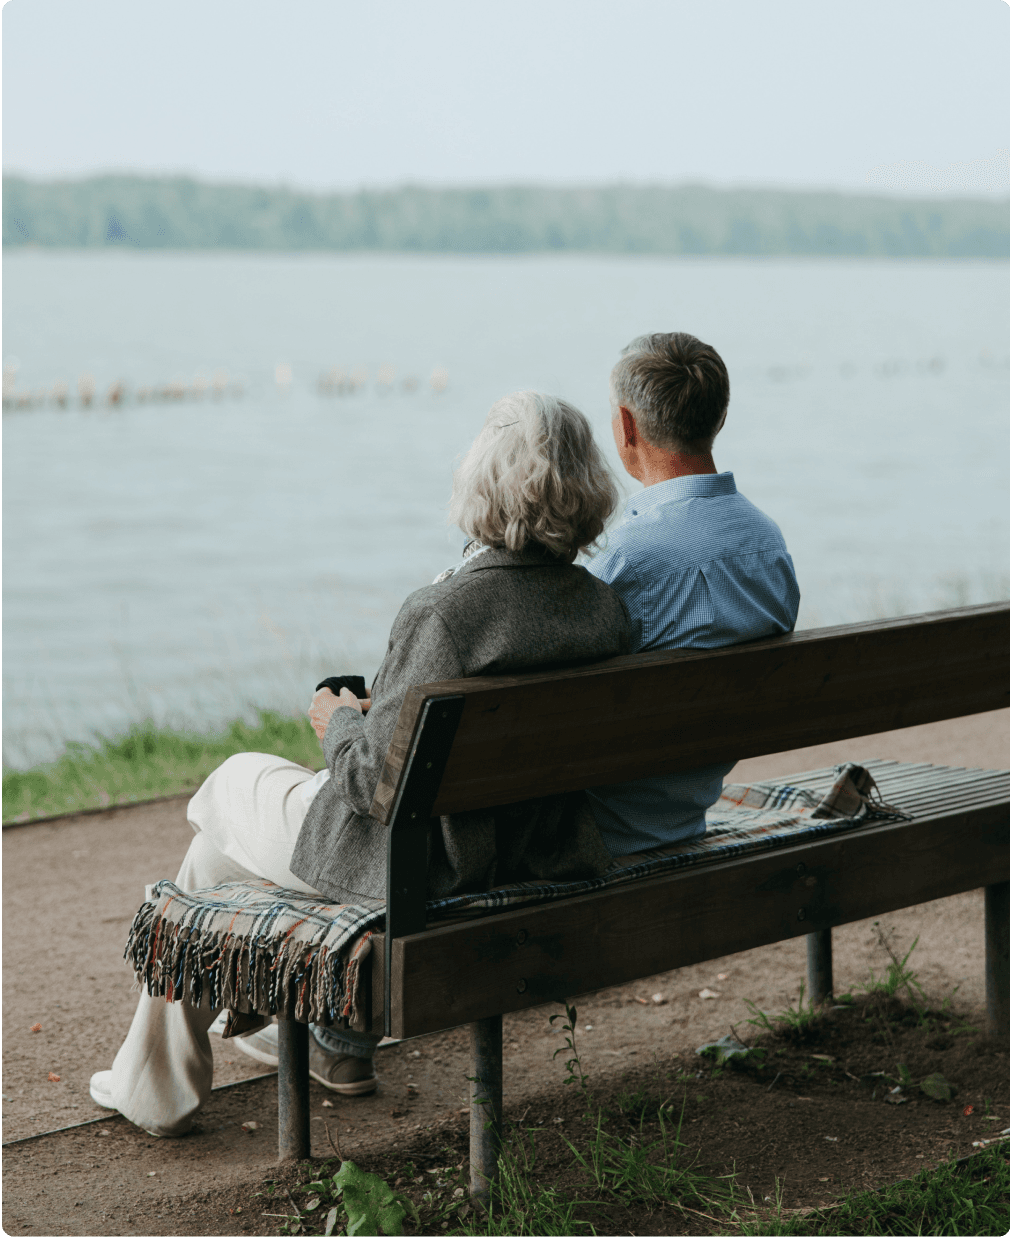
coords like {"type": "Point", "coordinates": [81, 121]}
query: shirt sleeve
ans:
{"type": "Point", "coordinates": [421, 650]}
{"type": "Point", "coordinates": [613, 568]}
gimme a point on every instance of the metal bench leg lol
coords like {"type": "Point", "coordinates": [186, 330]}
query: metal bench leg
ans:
{"type": "Point", "coordinates": [292, 1090]}
{"type": "Point", "coordinates": [820, 981]}
{"type": "Point", "coordinates": [485, 1106]}
{"type": "Point", "coordinates": [997, 959]}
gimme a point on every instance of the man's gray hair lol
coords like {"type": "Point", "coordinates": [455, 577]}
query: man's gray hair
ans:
{"type": "Point", "coordinates": [534, 475]}
{"type": "Point", "coordinates": [677, 389]}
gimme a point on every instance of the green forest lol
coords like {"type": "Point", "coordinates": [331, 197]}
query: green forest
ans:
{"type": "Point", "coordinates": [180, 213]}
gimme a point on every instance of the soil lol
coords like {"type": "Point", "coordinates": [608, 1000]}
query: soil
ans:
{"type": "Point", "coordinates": [111, 1178]}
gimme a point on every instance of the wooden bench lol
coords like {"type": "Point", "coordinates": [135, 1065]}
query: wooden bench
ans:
{"type": "Point", "coordinates": [474, 743]}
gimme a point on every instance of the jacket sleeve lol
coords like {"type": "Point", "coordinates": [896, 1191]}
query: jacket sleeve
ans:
{"type": "Point", "coordinates": [420, 650]}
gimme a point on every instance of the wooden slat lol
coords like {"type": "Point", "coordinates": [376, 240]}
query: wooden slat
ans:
{"type": "Point", "coordinates": [454, 974]}
{"type": "Point", "coordinates": [630, 717]}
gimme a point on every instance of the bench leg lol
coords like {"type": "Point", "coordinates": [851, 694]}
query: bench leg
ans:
{"type": "Point", "coordinates": [820, 982]}
{"type": "Point", "coordinates": [485, 1106]}
{"type": "Point", "coordinates": [292, 1090]}
{"type": "Point", "coordinates": [997, 959]}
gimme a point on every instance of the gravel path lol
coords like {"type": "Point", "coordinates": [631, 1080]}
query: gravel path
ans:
{"type": "Point", "coordinates": [71, 887]}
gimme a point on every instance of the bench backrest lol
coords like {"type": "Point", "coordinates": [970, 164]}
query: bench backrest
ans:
{"type": "Point", "coordinates": [505, 739]}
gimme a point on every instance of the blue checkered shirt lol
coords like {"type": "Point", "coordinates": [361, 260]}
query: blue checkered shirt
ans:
{"type": "Point", "coordinates": [698, 566]}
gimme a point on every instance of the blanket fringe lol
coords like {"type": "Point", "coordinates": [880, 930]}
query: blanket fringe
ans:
{"type": "Point", "coordinates": [261, 974]}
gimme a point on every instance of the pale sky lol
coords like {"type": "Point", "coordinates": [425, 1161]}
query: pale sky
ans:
{"type": "Point", "coordinates": [909, 96]}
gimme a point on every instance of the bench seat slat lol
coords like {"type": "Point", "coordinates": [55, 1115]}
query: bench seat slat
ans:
{"type": "Point", "coordinates": [918, 805]}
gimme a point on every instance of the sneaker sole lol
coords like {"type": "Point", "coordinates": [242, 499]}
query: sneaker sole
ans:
{"type": "Point", "coordinates": [257, 1054]}
{"type": "Point", "coordinates": [363, 1087]}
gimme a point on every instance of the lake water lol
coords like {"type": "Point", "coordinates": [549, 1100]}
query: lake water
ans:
{"type": "Point", "coordinates": [191, 559]}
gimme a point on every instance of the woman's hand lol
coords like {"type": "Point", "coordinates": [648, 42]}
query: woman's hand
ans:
{"type": "Point", "coordinates": [325, 704]}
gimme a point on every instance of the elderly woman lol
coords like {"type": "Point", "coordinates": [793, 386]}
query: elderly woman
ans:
{"type": "Point", "coordinates": [532, 491]}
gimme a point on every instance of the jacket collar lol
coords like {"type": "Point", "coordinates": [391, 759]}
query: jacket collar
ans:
{"type": "Point", "coordinates": [531, 556]}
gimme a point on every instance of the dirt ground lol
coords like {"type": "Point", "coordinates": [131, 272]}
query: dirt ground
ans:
{"type": "Point", "coordinates": [71, 888]}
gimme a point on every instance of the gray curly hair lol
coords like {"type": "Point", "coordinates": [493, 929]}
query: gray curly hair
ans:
{"type": "Point", "coordinates": [534, 474]}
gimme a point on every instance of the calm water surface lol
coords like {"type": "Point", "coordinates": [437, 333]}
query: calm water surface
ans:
{"type": "Point", "coordinates": [192, 559]}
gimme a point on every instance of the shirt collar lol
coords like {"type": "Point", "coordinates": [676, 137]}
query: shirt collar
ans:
{"type": "Point", "coordinates": [698, 485]}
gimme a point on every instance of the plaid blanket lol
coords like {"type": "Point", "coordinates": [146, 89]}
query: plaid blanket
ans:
{"type": "Point", "coordinates": [255, 948]}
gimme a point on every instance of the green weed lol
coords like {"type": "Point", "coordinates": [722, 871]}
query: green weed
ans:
{"type": "Point", "coordinates": [359, 1202]}
{"type": "Point", "coordinates": [651, 1171]}
{"type": "Point", "coordinates": [573, 1066]}
{"type": "Point", "coordinates": [794, 1023]}
{"type": "Point", "coordinates": [898, 975]}
{"type": "Point", "coordinates": [522, 1206]}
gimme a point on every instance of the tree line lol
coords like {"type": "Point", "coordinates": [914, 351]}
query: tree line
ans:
{"type": "Point", "coordinates": [183, 213]}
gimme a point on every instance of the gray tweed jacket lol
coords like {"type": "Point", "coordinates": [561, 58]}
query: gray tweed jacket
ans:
{"type": "Point", "coordinates": [501, 613]}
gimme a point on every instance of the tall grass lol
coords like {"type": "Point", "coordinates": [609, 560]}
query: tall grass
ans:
{"type": "Point", "coordinates": [147, 762]}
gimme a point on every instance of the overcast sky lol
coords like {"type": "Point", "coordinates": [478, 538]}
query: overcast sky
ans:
{"type": "Point", "coordinates": [906, 95]}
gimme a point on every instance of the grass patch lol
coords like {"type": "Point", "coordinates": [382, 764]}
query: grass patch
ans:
{"type": "Point", "coordinates": [626, 1167]}
{"type": "Point", "coordinates": [953, 1199]}
{"type": "Point", "coordinates": [950, 1199]}
{"type": "Point", "coordinates": [147, 762]}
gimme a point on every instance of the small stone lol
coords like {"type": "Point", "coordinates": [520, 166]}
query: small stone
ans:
{"type": "Point", "coordinates": [708, 994]}
{"type": "Point", "coordinates": [250, 1126]}
{"type": "Point", "coordinates": [36, 1027]}
{"type": "Point", "coordinates": [327, 1103]}
{"type": "Point", "coordinates": [658, 998]}
{"type": "Point", "coordinates": [53, 1077]}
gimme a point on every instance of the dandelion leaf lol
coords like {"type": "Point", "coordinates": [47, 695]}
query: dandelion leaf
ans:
{"type": "Point", "coordinates": [372, 1205]}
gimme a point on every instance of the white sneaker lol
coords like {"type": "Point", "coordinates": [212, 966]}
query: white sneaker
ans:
{"type": "Point", "coordinates": [101, 1089]}
{"type": "Point", "coordinates": [260, 1045]}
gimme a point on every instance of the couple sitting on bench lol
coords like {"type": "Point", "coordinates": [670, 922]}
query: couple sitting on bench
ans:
{"type": "Point", "coordinates": [692, 564]}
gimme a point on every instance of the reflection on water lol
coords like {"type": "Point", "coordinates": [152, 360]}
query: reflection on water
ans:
{"type": "Point", "coordinates": [270, 479]}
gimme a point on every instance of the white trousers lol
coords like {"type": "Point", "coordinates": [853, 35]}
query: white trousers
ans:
{"type": "Point", "coordinates": [246, 817]}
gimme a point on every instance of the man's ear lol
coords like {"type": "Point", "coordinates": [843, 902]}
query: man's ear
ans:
{"type": "Point", "coordinates": [628, 427]}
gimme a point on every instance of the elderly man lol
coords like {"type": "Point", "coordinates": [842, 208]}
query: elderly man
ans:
{"type": "Point", "coordinates": [696, 563]}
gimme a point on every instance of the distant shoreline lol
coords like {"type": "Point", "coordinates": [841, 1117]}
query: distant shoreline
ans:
{"type": "Point", "coordinates": [177, 213]}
